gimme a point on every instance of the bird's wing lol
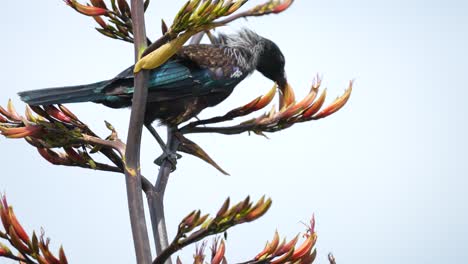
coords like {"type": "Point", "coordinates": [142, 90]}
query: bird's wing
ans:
{"type": "Point", "coordinates": [204, 55]}
{"type": "Point", "coordinates": [195, 70]}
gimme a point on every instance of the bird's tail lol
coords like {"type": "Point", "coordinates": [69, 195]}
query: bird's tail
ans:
{"type": "Point", "coordinates": [71, 94]}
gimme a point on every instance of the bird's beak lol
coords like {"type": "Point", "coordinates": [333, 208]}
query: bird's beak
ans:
{"type": "Point", "coordinates": [285, 92]}
{"type": "Point", "coordinates": [282, 83]}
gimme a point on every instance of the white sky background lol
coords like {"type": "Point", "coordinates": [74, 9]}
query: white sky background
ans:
{"type": "Point", "coordinates": [385, 176]}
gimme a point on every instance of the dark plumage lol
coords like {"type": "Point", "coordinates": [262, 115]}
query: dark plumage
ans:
{"type": "Point", "coordinates": [198, 76]}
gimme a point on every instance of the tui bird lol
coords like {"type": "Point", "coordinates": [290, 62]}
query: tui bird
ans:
{"type": "Point", "coordinates": [198, 76]}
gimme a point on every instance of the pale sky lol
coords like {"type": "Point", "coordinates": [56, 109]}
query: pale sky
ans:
{"type": "Point", "coordinates": [385, 176]}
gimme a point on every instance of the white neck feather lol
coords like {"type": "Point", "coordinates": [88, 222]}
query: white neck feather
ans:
{"type": "Point", "coordinates": [245, 47]}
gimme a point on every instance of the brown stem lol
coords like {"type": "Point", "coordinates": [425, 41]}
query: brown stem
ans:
{"type": "Point", "coordinates": [99, 166]}
{"type": "Point", "coordinates": [221, 130]}
{"type": "Point", "coordinates": [177, 245]}
{"type": "Point", "coordinates": [234, 17]}
{"type": "Point", "coordinates": [245, 14]}
{"type": "Point", "coordinates": [156, 198]}
{"type": "Point", "coordinates": [197, 38]}
{"type": "Point", "coordinates": [158, 221]}
{"type": "Point", "coordinates": [213, 120]}
{"type": "Point", "coordinates": [109, 152]}
{"type": "Point", "coordinates": [132, 153]}
{"type": "Point", "coordinates": [114, 157]}
{"type": "Point", "coordinates": [158, 43]}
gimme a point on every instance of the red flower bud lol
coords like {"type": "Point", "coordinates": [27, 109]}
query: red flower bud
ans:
{"type": "Point", "coordinates": [53, 157]}
{"type": "Point", "coordinates": [124, 7]}
{"type": "Point", "coordinates": [86, 9]}
{"type": "Point", "coordinates": [305, 248]}
{"type": "Point", "coordinates": [4, 214]}
{"type": "Point", "coordinates": [62, 257]}
{"type": "Point", "coordinates": [73, 155]}
{"type": "Point", "coordinates": [270, 247]}
{"type": "Point", "coordinates": [281, 7]}
{"type": "Point", "coordinates": [99, 3]}
{"type": "Point", "coordinates": [4, 250]}
{"type": "Point", "coordinates": [11, 113]}
{"type": "Point", "coordinates": [100, 21]}
{"type": "Point", "coordinates": [288, 246]}
{"type": "Point", "coordinates": [258, 210]}
{"type": "Point", "coordinates": [17, 227]}
{"type": "Point", "coordinates": [224, 208]}
{"type": "Point", "coordinates": [57, 114]}
{"type": "Point", "coordinates": [17, 243]}
{"type": "Point", "coordinates": [219, 254]}
{"type": "Point", "coordinates": [67, 112]}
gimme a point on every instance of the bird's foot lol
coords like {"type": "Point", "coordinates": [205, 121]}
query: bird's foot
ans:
{"type": "Point", "coordinates": [170, 156]}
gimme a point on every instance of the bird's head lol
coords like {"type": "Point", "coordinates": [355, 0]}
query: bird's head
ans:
{"type": "Point", "coordinates": [253, 51]}
{"type": "Point", "coordinates": [271, 63]}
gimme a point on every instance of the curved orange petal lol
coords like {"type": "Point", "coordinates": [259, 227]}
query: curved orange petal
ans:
{"type": "Point", "coordinates": [337, 104]}
{"type": "Point", "coordinates": [17, 227]}
{"type": "Point", "coordinates": [219, 255]}
{"type": "Point", "coordinates": [315, 106]}
{"type": "Point", "coordinates": [17, 243]}
{"type": "Point", "coordinates": [12, 111]}
{"type": "Point", "coordinates": [305, 248]}
{"type": "Point", "coordinates": [265, 99]}
{"type": "Point", "coordinates": [4, 214]}
{"type": "Point", "coordinates": [303, 104]}
{"type": "Point", "coordinates": [21, 132]}
{"type": "Point", "coordinates": [288, 246]}
{"type": "Point", "coordinates": [258, 211]}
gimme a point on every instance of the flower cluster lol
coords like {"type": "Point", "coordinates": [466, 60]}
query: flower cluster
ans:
{"type": "Point", "coordinates": [196, 13]}
{"type": "Point", "coordinates": [287, 252]}
{"type": "Point", "coordinates": [218, 249]}
{"type": "Point", "coordinates": [289, 113]}
{"type": "Point", "coordinates": [195, 226]}
{"type": "Point", "coordinates": [194, 17]}
{"type": "Point", "coordinates": [57, 127]}
{"type": "Point", "coordinates": [50, 127]}
{"type": "Point", "coordinates": [274, 252]}
{"type": "Point", "coordinates": [29, 248]}
{"type": "Point", "coordinates": [115, 22]}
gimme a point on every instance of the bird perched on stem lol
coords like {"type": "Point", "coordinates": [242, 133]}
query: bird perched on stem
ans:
{"type": "Point", "coordinates": [198, 76]}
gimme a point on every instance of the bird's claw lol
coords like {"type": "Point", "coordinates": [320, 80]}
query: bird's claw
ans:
{"type": "Point", "coordinates": [170, 156]}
